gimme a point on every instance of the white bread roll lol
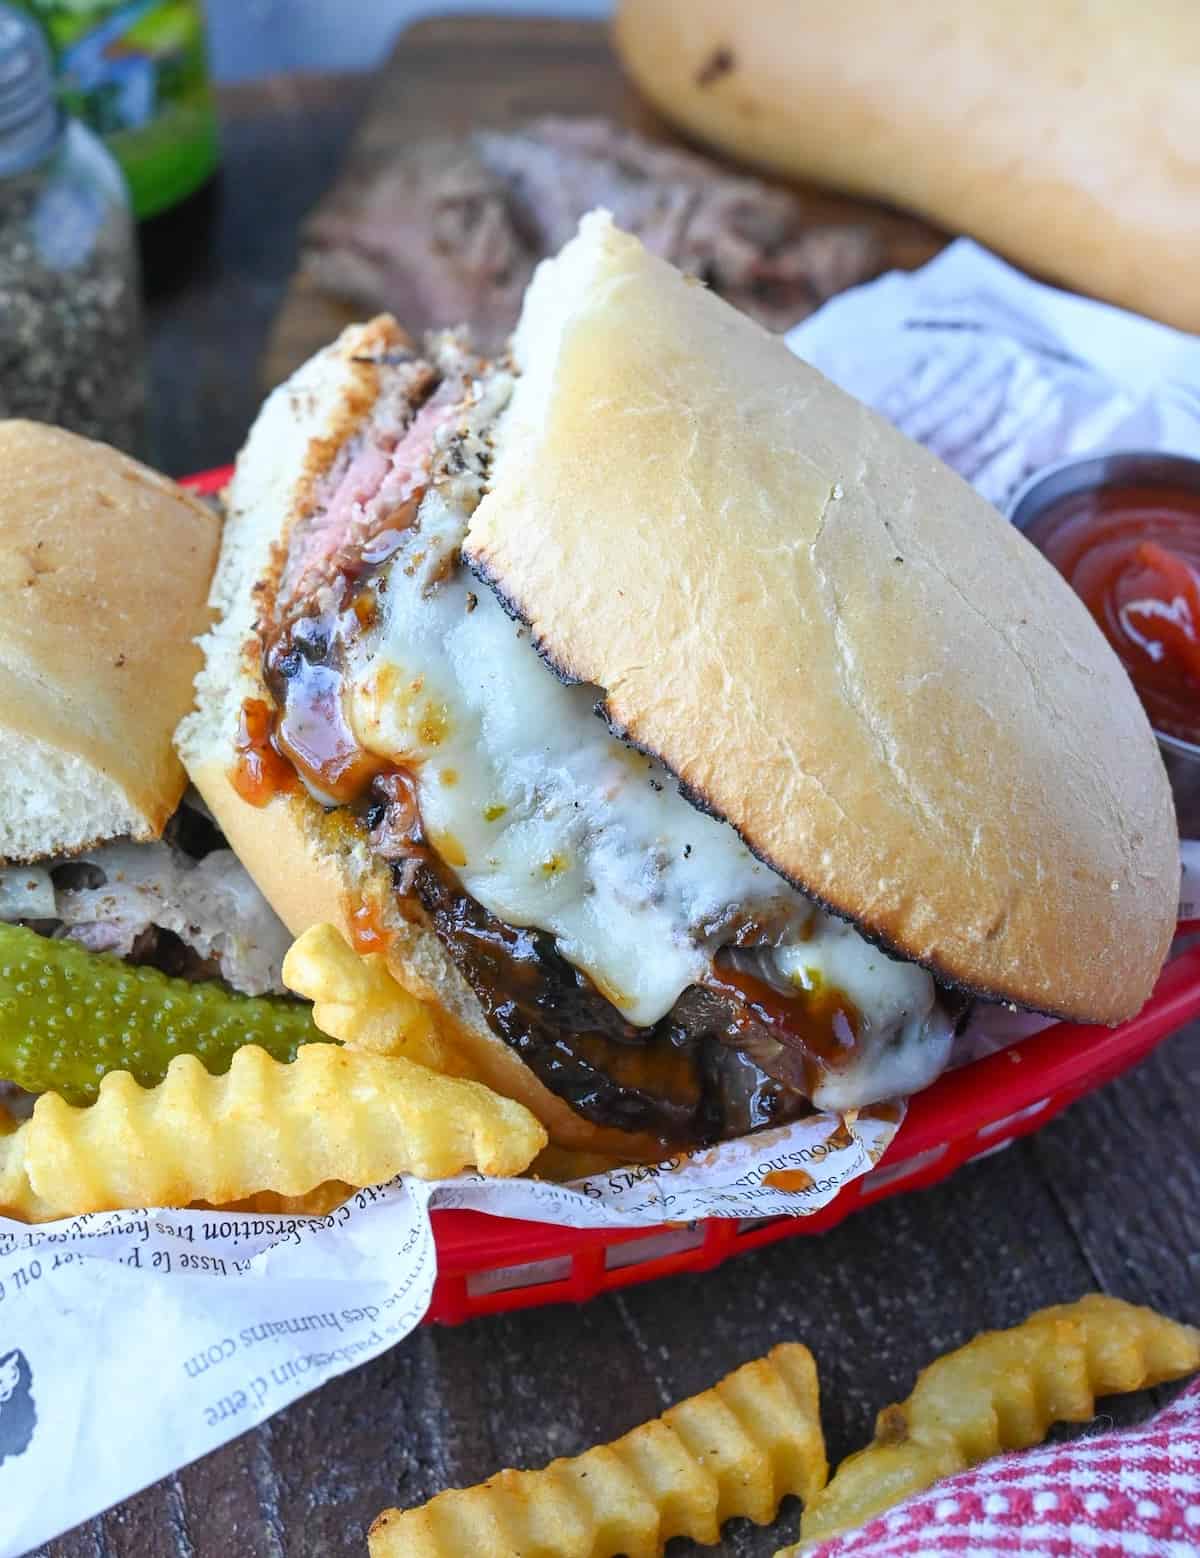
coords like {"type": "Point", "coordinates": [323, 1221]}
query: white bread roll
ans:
{"type": "Point", "coordinates": [822, 630]}
{"type": "Point", "coordinates": [104, 572]}
{"type": "Point", "coordinates": [1064, 134]}
{"type": "Point", "coordinates": [831, 639]}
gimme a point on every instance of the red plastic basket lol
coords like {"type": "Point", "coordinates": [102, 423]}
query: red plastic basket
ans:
{"type": "Point", "coordinates": [488, 1264]}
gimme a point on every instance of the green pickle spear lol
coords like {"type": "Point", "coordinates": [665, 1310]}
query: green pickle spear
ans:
{"type": "Point", "coordinates": [69, 1016]}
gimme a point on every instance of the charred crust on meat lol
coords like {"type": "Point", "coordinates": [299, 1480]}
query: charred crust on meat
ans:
{"type": "Point", "coordinates": [721, 62]}
{"type": "Point", "coordinates": [374, 342]}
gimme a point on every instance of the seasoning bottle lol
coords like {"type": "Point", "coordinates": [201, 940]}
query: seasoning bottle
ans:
{"type": "Point", "coordinates": [136, 72]}
{"type": "Point", "coordinates": [70, 308]}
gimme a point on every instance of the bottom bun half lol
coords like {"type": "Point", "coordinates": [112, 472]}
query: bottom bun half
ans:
{"type": "Point", "coordinates": [314, 868]}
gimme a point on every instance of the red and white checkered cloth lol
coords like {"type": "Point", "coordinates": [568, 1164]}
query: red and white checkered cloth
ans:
{"type": "Point", "coordinates": [1128, 1494]}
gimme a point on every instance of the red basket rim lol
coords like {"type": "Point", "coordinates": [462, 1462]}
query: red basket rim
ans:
{"type": "Point", "coordinates": [1066, 1059]}
{"type": "Point", "coordinates": [207, 483]}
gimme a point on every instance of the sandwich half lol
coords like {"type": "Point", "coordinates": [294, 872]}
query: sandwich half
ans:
{"type": "Point", "coordinates": [698, 746]}
{"type": "Point", "coordinates": [105, 568]}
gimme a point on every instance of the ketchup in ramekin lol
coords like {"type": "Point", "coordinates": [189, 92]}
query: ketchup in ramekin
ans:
{"type": "Point", "coordinates": [1133, 554]}
{"type": "Point", "coordinates": [1124, 530]}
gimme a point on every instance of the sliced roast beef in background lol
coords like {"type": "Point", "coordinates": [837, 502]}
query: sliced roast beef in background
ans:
{"type": "Point", "coordinates": [184, 904]}
{"type": "Point", "coordinates": [448, 232]}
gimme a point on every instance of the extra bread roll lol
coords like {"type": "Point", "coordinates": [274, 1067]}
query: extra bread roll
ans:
{"type": "Point", "coordinates": [1064, 134]}
{"type": "Point", "coordinates": [104, 573]}
{"type": "Point", "coordinates": [826, 634]}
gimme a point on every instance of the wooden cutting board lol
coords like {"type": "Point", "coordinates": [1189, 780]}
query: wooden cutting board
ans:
{"type": "Point", "coordinates": [451, 75]}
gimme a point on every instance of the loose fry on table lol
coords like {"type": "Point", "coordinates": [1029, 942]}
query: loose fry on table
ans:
{"type": "Point", "coordinates": [1001, 1391]}
{"type": "Point", "coordinates": [332, 1114]}
{"type": "Point", "coordinates": [69, 1016]}
{"type": "Point", "coordinates": [737, 1449]}
{"type": "Point", "coordinates": [356, 999]}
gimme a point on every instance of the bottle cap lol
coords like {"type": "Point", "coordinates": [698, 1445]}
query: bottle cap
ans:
{"type": "Point", "coordinates": [29, 118]}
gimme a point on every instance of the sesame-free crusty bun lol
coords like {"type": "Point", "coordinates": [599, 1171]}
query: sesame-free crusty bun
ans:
{"type": "Point", "coordinates": [1064, 133]}
{"type": "Point", "coordinates": [104, 571]}
{"type": "Point", "coordinates": [833, 640]}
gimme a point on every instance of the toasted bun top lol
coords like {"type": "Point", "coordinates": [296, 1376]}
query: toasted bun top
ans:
{"type": "Point", "coordinates": [104, 569]}
{"type": "Point", "coordinates": [832, 639]}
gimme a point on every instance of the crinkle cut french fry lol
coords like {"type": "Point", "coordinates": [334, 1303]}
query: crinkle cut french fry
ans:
{"type": "Point", "coordinates": [736, 1449]}
{"type": "Point", "coordinates": [317, 1202]}
{"type": "Point", "coordinates": [356, 999]}
{"type": "Point", "coordinates": [17, 1195]}
{"type": "Point", "coordinates": [1001, 1391]}
{"type": "Point", "coordinates": [331, 1114]}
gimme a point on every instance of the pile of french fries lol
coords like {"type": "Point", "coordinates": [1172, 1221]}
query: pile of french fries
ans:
{"type": "Point", "coordinates": [740, 1448]}
{"type": "Point", "coordinates": [269, 1134]}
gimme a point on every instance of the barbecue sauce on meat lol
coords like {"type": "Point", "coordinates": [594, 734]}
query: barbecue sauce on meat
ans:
{"type": "Point", "coordinates": [311, 731]}
{"type": "Point", "coordinates": [367, 931]}
{"type": "Point", "coordinates": [824, 1018]}
{"type": "Point", "coordinates": [260, 771]}
{"type": "Point", "coordinates": [679, 1080]}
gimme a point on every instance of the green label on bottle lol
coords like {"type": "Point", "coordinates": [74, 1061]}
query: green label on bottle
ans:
{"type": "Point", "coordinates": [138, 74]}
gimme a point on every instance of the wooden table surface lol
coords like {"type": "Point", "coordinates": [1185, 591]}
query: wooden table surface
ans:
{"type": "Point", "coordinates": [1108, 1196]}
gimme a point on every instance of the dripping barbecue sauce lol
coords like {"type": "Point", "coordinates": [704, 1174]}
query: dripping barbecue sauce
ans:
{"type": "Point", "coordinates": [260, 771]}
{"type": "Point", "coordinates": [367, 931]}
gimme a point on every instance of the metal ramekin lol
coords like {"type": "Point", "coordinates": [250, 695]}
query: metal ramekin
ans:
{"type": "Point", "coordinates": [1124, 468]}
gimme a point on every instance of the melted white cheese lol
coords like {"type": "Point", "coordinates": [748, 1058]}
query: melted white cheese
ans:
{"type": "Point", "coordinates": [904, 1036]}
{"type": "Point", "coordinates": [549, 821]}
